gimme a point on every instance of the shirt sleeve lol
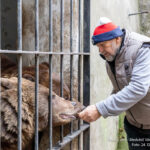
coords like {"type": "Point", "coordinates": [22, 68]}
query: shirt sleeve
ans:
{"type": "Point", "coordinates": [133, 92]}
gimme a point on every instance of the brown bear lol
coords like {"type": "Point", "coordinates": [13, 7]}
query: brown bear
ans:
{"type": "Point", "coordinates": [63, 111]}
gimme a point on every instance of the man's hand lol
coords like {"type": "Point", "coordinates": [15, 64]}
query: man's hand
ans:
{"type": "Point", "coordinates": [89, 114]}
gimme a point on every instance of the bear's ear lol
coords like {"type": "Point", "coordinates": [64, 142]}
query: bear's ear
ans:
{"type": "Point", "coordinates": [45, 64]}
{"type": "Point", "coordinates": [7, 83]}
{"type": "Point", "coordinates": [29, 77]}
{"type": "Point", "coordinates": [6, 62]}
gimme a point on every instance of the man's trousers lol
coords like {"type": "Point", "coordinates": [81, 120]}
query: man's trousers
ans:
{"type": "Point", "coordinates": [138, 139]}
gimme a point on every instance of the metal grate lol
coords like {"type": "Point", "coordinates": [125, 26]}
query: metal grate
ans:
{"type": "Point", "coordinates": [85, 55]}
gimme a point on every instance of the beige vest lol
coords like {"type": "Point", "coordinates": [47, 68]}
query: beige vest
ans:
{"type": "Point", "coordinates": [139, 114]}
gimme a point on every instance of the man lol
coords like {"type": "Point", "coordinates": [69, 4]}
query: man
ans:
{"type": "Point", "coordinates": [127, 58]}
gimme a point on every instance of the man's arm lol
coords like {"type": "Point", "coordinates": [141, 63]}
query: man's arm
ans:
{"type": "Point", "coordinates": [134, 92]}
{"type": "Point", "coordinates": [128, 96]}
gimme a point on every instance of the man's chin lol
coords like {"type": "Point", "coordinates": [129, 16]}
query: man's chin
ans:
{"type": "Point", "coordinates": [110, 58]}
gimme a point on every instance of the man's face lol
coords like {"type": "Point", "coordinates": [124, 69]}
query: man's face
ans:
{"type": "Point", "coordinates": [109, 48]}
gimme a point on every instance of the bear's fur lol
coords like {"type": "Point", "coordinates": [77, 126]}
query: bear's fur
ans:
{"type": "Point", "coordinates": [63, 111]}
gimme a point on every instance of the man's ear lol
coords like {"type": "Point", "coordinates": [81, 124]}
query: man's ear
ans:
{"type": "Point", "coordinates": [118, 40]}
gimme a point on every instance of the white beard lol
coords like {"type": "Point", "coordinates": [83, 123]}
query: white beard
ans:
{"type": "Point", "coordinates": [110, 58]}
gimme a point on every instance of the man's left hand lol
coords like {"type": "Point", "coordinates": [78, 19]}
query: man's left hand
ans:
{"type": "Point", "coordinates": [89, 114]}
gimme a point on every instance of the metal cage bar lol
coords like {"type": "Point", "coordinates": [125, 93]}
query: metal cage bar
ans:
{"type": "Point", "coordinates": [50, 104]}
{"type": "Point", "coordinates": [86, 68]}
{"type": "Point", "coordinates": [61, 58]}
{"type": "Point", "coordinates": [50, 72]}
{"type": "Point", "coordinates": [79, 66]}
{"type": "Point", "coordinates": [36, 25]}
{"type": "Point", "coordinates": [0, 70]}
{"type": "Point", "coordinates": [41, 53]}
{"type": "Point", "coordinates": [0, 102]}
{"type": "Point", "coordinates": [36, 73]}
{"type": "Point", "coordinates": [36, 100]}
{"type": "Point", "coordinates": [71, 63]}
{"type": "Point", "coordinates": [0, 23]}
{"type": "Point", "coordinates": [70, 137]}
{"type": "Point", "coordinates": [19, 21]}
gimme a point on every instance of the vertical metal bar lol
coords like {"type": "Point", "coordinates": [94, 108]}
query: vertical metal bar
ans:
{"type": "Point", "coordinates": [71, 62]}
{"type": "Point", "coordinates": [19, 20]}
{"type": "Point", "coordinates": [19, 28]}
{"type": "Point", "coordinates": [0, 101]}
{"type": "Point", "coordinates": [79, 96]}
{"type": "Point", "coordinates": [50, 26]}
{"type": "Point", "coordinates": [86, 67]}
{"type": "Point", "coordinates": [50, 103]}
{"type": "Point", "coordinates": [86, 48]}
{"type": "Point", "coordinates": [36, 71]}
{"type": "Point", "coordinates": [19, 102]}
{"type": "Point", "coordinates": [50, 72]}
{"type": "Point", "coordinates": [71, 17]}
{"type": "Point", "coordinates": [0, 22]}
{"type": "Point", "coordinates": [0, 70]}
{"type": "Point", "coordinates": [79, 66]}
{"type": "Point", "coordinates": [36, 99]}
{"type": "Point", "coordinates": [61, 57]}
{"type": "Point", "coordinates": [37, 25]}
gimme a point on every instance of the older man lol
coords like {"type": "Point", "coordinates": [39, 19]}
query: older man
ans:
{"type": "Point", "coordinates": [127, 57]}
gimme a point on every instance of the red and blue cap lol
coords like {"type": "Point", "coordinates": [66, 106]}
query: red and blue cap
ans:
{"type": "Point", "coordinates": [105, 31]}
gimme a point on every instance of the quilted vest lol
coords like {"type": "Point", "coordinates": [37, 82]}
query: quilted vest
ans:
{"type": "Point", "coordinates": [139, 114]}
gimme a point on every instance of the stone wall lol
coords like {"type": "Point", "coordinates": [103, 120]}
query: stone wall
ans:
{"type": "Point", "coordinates": [144, 18]}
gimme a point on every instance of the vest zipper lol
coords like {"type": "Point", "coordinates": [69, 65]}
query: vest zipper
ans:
{"type": "Point", "coordinates": [117, 82]}
{"type": "Point", "coordinates": [115, 76]}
